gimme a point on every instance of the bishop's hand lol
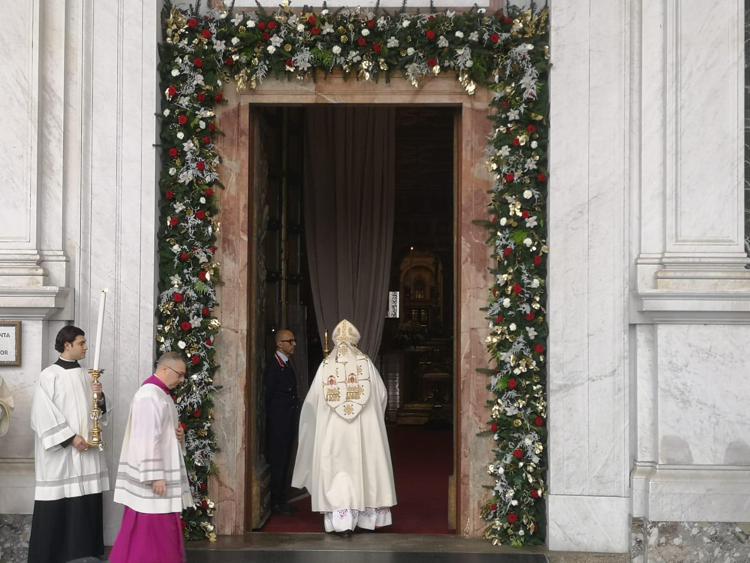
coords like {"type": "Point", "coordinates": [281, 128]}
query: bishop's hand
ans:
{"type": "Point", "coordinates": [159, 487]}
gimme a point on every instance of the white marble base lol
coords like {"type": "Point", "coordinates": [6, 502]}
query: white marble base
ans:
{"type": "Point", "coordinates": [17, 486]}
{"type": "Point", "coordinates": [588, 523]}
{"type": "Point", "coordinates": [713, 494]}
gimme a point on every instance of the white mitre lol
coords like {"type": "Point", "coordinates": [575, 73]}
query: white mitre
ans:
{"type": "Point", "coordinates": [346, 373]}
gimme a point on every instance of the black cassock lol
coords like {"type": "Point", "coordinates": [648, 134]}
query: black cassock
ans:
{"type": "Point", "coordinates": [282, 409]}
{"type": "Point", "coordinates": [67, 528]}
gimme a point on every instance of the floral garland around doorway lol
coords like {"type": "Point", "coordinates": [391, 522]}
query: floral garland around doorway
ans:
{"type": "Point", "coordinates": [506, 53]}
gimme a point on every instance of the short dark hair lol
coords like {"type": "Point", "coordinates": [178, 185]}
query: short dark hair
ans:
{"type": "Point", "coordinates": [67, 334]}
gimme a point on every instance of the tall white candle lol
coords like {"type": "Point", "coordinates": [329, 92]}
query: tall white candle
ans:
{"type": "Point", "coordinates": [99, 326]}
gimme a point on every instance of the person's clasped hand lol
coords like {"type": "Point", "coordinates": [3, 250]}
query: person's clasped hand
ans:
{"type": "Point", "coordinates": [80, 443]}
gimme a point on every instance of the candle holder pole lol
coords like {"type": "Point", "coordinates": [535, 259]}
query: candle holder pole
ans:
{"type": "Point", "coordinates": [95, 432]}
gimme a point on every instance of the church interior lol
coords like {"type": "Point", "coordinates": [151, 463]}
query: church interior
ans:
{"type": "Point", "coordinates": [416, 354]}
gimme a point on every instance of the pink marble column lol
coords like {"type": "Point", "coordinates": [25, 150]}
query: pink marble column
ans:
{"type": "Point", "coordinates": [228, 487]}
{"type": "Point", "coordinates": [472, 259]}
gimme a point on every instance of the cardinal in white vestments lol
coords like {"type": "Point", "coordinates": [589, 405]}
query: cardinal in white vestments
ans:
{"type": "Point", "coordinates": [152, 479]}
{"type": "Point", "coordinates": [70, 475]}
{"type": "Point", "coordinates": [343, 458]}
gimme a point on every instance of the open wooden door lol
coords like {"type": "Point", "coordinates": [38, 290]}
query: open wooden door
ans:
{"type": "Point", "coordinates": [277, 270]}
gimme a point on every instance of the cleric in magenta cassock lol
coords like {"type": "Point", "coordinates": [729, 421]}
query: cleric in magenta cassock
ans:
{"type": "Point", "coordinates": [152, 481]}
{"type": "Point", "coordinates": [70, 476]}
{"type": "Point", "coordinates": [343, 458]}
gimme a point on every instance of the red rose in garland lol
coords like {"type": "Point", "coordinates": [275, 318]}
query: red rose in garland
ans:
{"type": "Point", "coordinates": [512, 518]}
{"type": "Point", "coordinates": [200, 165]}
{"type": "Point", "coordinates": [432, 62]}
{"type": "Point", "coordinates": [179, 298]}
{"type": "Point", "coordinates": [173, 152]}
{"type": "Point", "coordinates": [539, 422]}
{"type": "Point", "coordinates": [174, 221]}
{"type": "Point", "coordinates": [315, 31]}
{"type": "Point", "coordinates": [507, 252]}
{"type": "Point", "coordinates": [518, 453]}
{"type": "Point", "coordinates": [171, 92]}
{"type": "Point", "coordinates": [206, 311]}
{"type": "Point", "coordinates": [206, 140]}
{"type": "Point", "coordinates": [539, 348]}
{"type": "Point", "coordinates": [229, 61]}
{"type": "Point", "coordinates": [534, 494]}
{"type": "Point", "coordinates": [219, 98]}
{"type": "Point", "coordinates": [530, 316]}
{"type": "Point", "coordinates": [195, 359]}
{"type": "Point", "coordinates": [208, 192]}
{"type": "Point", "coordinates": [184, 257]}
{"type": "Point", "coordinates": [186, 326]}
{"type": "Point", "coordinates": [198, 62]}
{"type": "Point", "coordinates": [193, 23]}
{"type": "Point", "coordinates": [371, 24]}
{"type": "Point", "coordinates": [541, 178]}
{"type": "Point", "coordinates": [377, 48]}
{"type": "Point", "coordinates": [182, 119]}
{"type": "Point", "coordinates": [537, 261]}
{"type": "Point", "coordinates": [494, 427]}
{"type": "Point", "coordinates": [517, 289]}
{"type": "Point", "coordinates": [431, 35]}
{"type": "Point", "coordinates": [266, 36]}
{"type": "Point", "coordinates": [169, 196]}
{"type": "Point", "coordinates": [262, 26]}
{"type": "Point", "coordinates": [495, 38]}
{"type": "Point", "coordinates": [202, 275]}
{"type": "Point", "coordinates": [200, 215]}
{"type": "Point", "coordinates": [362, 42]}
{"type": "Point", "coordinates": [512, 383]}
{"type": "Point", "coordinates": [201, 97]}
{"type": "Point", "coordinates": [206, 33]}
{"type": "Point", "coordinates": [272, 25]}
{"type": "Point", "coordinates": [312, 20]}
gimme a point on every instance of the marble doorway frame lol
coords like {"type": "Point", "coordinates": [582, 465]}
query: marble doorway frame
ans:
{"type": "Point", "coordinates": [237, 248]}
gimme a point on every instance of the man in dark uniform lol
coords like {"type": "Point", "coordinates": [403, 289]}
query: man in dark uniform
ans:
{"type": "Point", "coordinates": [282, 408]}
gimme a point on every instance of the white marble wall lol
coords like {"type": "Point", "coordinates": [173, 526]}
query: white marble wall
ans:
{"type": "Point", "coordinates": [81, 204]}
{"type": "Point", "coordinates": [649, 299]}
{"type": "Point", "coordinates": [691, 307]}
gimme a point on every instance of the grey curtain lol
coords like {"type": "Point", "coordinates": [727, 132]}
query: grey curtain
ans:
{"type": "Point", "coordinates": [349, 195]}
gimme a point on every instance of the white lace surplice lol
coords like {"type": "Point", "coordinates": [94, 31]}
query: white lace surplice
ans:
{"type": "Point", "coordinates": [348, 519]}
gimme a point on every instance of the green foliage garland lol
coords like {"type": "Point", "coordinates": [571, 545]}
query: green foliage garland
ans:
{"type": "Point", "coordinates": [505, 53]}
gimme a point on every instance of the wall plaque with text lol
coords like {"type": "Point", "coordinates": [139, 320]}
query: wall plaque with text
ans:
{"type": "Point", "coordinates": [10, 343]}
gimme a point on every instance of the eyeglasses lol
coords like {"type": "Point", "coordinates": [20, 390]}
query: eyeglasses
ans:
{"type": "Point", "coordinates": [179, 373]}
{"type": "Point", "coordinates": [290, 340]}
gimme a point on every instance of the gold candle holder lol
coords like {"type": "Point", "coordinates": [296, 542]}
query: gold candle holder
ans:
{"type": "Point", "coordinates": [95, 432]}
{"type": "Point", "coordinates": [326, 350]}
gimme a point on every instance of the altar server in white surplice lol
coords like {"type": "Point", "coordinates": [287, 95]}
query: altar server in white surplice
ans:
{"type": "Point", "coordinates": [343, 458]}
{"type": "Point", "coordinates": [70, 475]}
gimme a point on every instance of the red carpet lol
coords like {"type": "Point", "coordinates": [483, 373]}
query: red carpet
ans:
{"type": "Point", "coordinates": [422, 463]}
